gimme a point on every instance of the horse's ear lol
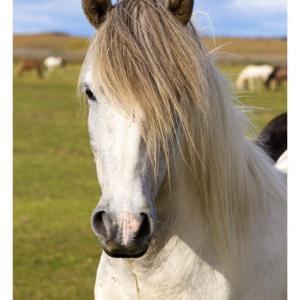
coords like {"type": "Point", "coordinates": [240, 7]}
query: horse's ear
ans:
{"type": "Point", "coordinates": [96, 10]}
{"type": "Point", "coordinates": [181, 9]}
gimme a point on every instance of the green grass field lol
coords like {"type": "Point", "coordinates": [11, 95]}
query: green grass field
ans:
{"type": "Point", "coordinates": [55, 185]}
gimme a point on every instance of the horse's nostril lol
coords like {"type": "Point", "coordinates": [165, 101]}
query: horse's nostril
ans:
{"type": "Point", "coordinates": [145, 229]}
{"type": "Point", "coordinates": [98, 224]}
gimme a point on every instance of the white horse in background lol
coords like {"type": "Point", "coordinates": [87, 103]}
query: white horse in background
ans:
{"type": "Point", "coordinates": [52, 62]}
{"type": "Point", "coordinates": [189, 209]}
{"type": "Point", "coordinates": [282, 162]}
{"type": "Point", "coordinates": [252, 76]}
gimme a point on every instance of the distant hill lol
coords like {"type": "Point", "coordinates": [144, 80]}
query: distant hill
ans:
{"type": "Point", "coordinates": [53, 41]}
{"type": "Point", "coordinates": [229, 49]}
{"type": "Point", "coordinates": [251, 50]}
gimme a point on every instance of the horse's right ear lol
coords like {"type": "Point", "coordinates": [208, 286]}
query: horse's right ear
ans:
{"type": "Point", "coordinates": [96, 10]}
{"type": "Point", "coordinates": [181, 9]}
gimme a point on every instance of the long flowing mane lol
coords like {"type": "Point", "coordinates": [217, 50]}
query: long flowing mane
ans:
{"type": "Point", "coordinates": [154, 67]}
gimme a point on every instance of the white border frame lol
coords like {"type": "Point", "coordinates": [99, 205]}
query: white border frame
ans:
{"type": "Point", "coordinates": [6, 58]}
{"type": "Point", "coordinates": [294, 150]}
{"type": "Point", "coordinates": [6, 77]}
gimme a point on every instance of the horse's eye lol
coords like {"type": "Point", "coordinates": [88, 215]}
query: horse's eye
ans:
{"type": "Point", "coordinates": [90, 94]}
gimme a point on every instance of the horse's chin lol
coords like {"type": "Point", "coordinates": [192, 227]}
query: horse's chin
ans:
{"type": "Point", "coordinates": [117, 254]}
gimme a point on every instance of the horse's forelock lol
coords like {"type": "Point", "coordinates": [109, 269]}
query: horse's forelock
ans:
{"type": "Point", "coordinates": [147, 61]}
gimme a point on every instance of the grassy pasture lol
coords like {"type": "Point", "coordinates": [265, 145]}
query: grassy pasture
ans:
{"type": "Point", "coordinates": [55, 185]}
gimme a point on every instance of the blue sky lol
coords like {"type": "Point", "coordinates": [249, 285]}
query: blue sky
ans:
{"type": "Point", "coordinates": [252, 18]}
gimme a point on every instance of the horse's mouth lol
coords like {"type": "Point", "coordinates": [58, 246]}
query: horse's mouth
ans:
{"type": "Point", "coordinates": [120, 253]}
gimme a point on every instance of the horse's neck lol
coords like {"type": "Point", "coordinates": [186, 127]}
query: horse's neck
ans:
{"type": "Point", "coordinates": [182, 234]}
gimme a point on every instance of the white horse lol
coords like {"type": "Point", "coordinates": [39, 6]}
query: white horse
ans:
{"type": "Point", "coordinates": [282, 162]}
{"type": "Point", "coordinates": [52, 62]}
{"type": "Point", "coordinates": [251, 75]}
{"type": "Point", "coordinates": [190, 209]}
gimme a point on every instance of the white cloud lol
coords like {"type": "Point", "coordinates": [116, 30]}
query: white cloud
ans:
{"type": "Point", "coordinates": [268, 6]}
{"type": "Point", "coordinates": [66, 7]}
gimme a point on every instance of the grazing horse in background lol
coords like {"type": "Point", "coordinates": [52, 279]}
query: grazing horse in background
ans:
{"type": "Point", "coordinates": [251, 75]}
{"type": "Point", "coordinates": [189, 209]}
{"type": "Point", "coordinates": [278, 75]}
{"type": "Point", "coordinates": [52, 63]}
{"type": "Point", "coordinates": [29, 65]}
{"type": "Point", "coordinates": [273, 138]}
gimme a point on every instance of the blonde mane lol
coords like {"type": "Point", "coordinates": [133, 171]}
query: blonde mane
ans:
{"type": "Point", "coordinates": [158, 70]}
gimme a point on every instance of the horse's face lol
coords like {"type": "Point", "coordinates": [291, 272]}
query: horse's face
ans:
{"type": "Point", "coordinates": [125, 218]}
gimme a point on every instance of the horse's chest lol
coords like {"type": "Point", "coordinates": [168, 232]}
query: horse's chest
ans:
{"type": "Point", "coordinates": [166, 289]}
{"type": "Point", "coordinates": [177, 280]}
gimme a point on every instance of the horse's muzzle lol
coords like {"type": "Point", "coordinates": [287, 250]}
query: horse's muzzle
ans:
{"type": "Point", "coordinates": [124, 235]}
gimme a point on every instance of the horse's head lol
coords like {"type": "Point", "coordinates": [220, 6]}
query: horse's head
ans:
{"type": "Point", "coordinates": [129, 176]}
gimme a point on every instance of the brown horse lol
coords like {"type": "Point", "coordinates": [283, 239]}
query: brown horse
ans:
{"type": "Point", "coordinates": [31, 64]}
{"type": "Point", "coordinates": [278, 75]}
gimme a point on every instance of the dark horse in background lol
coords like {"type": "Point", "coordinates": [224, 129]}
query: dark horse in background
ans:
{"type": "Point", "coordinates": [278, 76]}
{"type": "Point", "coordinates": [273, 138]}
{"type": "Point", "coordinates": [31, 64]}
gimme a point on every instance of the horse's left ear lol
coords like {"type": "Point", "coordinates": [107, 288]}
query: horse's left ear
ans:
{"type": "Point", "coordinates": [96, 10]}
{"type": "Point", "coordinates": [182, 9]}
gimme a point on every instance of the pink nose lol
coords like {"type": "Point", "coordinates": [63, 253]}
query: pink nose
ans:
{"type": "Point", "coordinates": [122, 235]}
{"type": "Point", "coordinates": [129, 224]}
